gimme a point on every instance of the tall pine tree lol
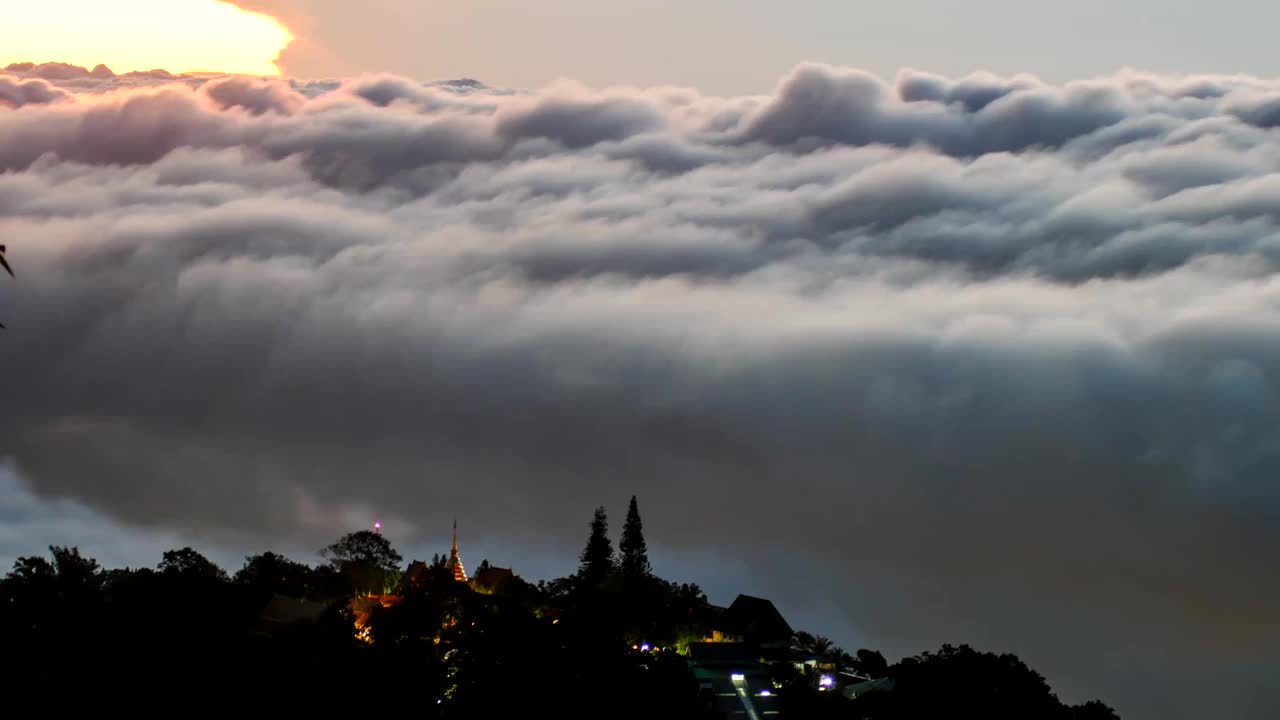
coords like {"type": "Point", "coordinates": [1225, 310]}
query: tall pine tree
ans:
{"type": "Point", "coordinates": [635, 555]}
{"type": "Point", "coordinates": [596, 561]}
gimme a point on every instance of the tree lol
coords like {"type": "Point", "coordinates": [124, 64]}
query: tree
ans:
{"type": "Point", "coordinates": [368, 560]}
{"type": "Point", "coordinates": [596, 561]}
{"type": "Point", "coordinates": [365, 547]}
{"type": "Point", "coordinates": [871, 663]}
{"type": "Point", "coordinates": [815, 645]}
{"type": "Point", "coordinates": [963, 682]}
{"type": "Point", "coordinates": [76, 570]}
{"type": "Point", "coordinates": [275, 573]}
{"type": "Point", "coordinates": [1092, 710]}
{"type": "Point", "coordinates": [31, 570]}
{"type": "Point", "coordinates": [839, 660]}
{"type": "Point", "coordinates": [465, 653]}
{"type": "Point", "coordinates": [188, 563]}
{"type": "Point", "coordinates": [49, 603]}
{"type": "Point", "coordinates": [635, 555]}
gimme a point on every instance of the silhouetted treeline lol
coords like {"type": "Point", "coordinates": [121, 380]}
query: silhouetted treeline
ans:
{"type": "Point", "coordinates": [356, 631]}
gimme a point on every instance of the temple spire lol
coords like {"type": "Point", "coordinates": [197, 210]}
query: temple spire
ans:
{"type": "Point", "coordinates": [455, 562]}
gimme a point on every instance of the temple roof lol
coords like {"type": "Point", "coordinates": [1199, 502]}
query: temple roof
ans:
{"type": "Point", "coordinates": [492, 576]}
{"type": "Point", "coordinates": [755, 617]}
{"type": "Point", "coordinates": [455, 561]}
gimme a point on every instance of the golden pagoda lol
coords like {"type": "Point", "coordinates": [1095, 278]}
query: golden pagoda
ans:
{"type": "Point", "coordinates": [455, 562]}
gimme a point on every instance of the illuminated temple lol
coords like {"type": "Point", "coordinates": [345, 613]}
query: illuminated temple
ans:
{"type": "Point", "coordinates": [362, 605]}
{"type": "Point", "coordinates": [455, 562]}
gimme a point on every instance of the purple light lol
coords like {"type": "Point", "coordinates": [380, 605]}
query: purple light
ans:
{"type": "Point", "coordinates": [377, 526]}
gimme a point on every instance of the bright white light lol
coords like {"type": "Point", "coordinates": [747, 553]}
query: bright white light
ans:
{"type": "Point", "coordinates": [765, 693]}
{"type": "Point", "coordinates": [737, 677]}
{"type": "Point", "coordinates": [826, 681]}
{"type": "Point", "coordinates": [644, 647]}
{"type": "Point", "coordinates": [177, 35]}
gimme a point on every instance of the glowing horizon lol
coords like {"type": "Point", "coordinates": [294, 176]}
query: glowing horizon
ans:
{"type": "Point", "coordinates": [127, 35]}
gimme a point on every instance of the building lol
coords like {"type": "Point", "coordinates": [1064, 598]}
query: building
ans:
{"type": "Point", "coordinates": [492, 578]}
{"type": "Point", "coordinates": [418, 570]}
{"type": "Point", "coordinates": [858, 689]}
{"type": "Point", "coordinates": [733, 664]}
{"type": "Point", "coordinates": [363, 607]}
{"type": "Point", "coordinates": [415, 573]}
{"type": "Point", "coordinates": [733, 679]}
{"type": "Point", "coordinates": [455, 562]}
{"type": "Point", "coordinates": [753, 621]}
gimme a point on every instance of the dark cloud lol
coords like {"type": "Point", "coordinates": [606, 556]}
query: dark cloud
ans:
{"type": "Point", "coordinates": [973, 117]}
{"type": "Point", "coordinates": [383, 90]}
{"type": "Point", "coordinates": [972, 93]}
{"type": "Point", "coordinates": [1260, 110]}
{"type": "Point", "coordinates": [986, 360]}
{"type": "Point", "coordinates": [256, 95]}
{"type": "Point", "coordinates": [577, 122]}
{"type": "Point", "coordinates": [15, 93]}
{"type": "Point", "coordinates": [51, 71]}
{"type": "Point", "coordinates": [101, 78]}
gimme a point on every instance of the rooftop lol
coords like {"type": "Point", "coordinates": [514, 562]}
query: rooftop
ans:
{"type": "Point", "coordinates": [755, 618]}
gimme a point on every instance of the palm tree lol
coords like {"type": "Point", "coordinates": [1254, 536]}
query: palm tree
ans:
{"type": "Point", "coordinates": [801, 641]}
{"type": "Point", "coordinates": [822, 646]}
{"type": "Point", "coordinates": [814, 645]}
{"type": "Point", "coordinates": [839, 659]}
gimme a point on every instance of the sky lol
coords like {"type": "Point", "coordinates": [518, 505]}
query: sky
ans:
{"type": "Point", "coordinates": [717, 46]}
{"type": "Point", "coordinates": [948, 337]}
{"type": "Point", "coordinates": [141, 35]}
{"type": "Point", "coordinates": [743, 46]}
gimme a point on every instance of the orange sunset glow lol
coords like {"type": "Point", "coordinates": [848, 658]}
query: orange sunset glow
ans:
{"type": "Point", "coordinates": [126, 35]}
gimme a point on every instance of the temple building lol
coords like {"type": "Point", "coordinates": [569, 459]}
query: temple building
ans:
{"type": "Point", "coordinates": [419, 570]}
{"type": "Point", "coordinates": [752, 620]}
{"type": "Point", "coordinates": [455, 562]}
{"type": "Point", "coordinates": [492, 578]}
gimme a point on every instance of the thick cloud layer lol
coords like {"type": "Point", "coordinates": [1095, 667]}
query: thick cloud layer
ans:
{"type": "Point", "coordinates": [980, 360]}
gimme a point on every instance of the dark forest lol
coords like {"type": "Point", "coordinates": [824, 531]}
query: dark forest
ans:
{"type": "Point", "coordinates": [360, 630]}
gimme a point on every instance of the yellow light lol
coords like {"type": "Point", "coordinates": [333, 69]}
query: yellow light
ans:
{"type": "Point", "coordinates": [127, 35]}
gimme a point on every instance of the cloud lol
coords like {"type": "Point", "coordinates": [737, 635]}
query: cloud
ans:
{"type": "Point", "coordinates": [33, 524]}
{"type": "Point", "coordinates": [255, 95]}
{"type": "Point", "coordinates": [981, 360]}
{"type": "Point", "coordinates": [16, 93]}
